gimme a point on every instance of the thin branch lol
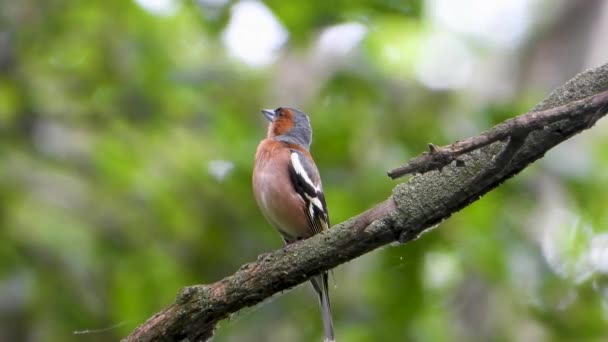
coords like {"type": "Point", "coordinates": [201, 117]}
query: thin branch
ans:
{"type": "Point", "coordinates": [438, 157]}
{"type": "Point", "coordinates": [414, 207]}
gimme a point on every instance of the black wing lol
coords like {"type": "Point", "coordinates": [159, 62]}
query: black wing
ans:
{"type": "Point", "coordinates": [307, 183]}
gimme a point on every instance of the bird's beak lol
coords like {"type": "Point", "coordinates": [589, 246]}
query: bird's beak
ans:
{"type": "Point", "coordinates": [269, 114]}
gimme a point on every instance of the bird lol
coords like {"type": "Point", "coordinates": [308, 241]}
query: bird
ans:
{"type": "Point", "coordinates": [287, 188]}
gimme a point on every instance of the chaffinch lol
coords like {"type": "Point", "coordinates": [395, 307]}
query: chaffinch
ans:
{"type": "Point", "coordinates": [287, 188]}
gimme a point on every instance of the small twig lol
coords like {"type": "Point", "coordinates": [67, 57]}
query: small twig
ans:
{"type": "Point", "coordinates": [100, 330]}
{"type": "Point", "coordinates": [439, 157]}
{"type": "Point", "coordinates": [502, 159]}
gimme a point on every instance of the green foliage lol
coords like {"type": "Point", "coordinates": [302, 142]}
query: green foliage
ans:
{"type": "Point", "coordinates": [126, 149]}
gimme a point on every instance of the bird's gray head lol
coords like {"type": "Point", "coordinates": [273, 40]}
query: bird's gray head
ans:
{"type": "Point", "coordinates": [289, 125]}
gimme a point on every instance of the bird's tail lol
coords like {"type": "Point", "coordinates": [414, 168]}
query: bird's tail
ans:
{"type": "Point", "coordinates": [320, 284]}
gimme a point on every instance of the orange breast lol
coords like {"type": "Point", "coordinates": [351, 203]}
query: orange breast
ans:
{"type": "Point", "coordinates": [274, 193]}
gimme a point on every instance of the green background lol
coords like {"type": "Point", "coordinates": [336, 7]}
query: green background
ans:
{"type": "Point", "coordinates": [126, 148]}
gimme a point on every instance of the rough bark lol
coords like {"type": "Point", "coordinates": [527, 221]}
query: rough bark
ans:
{"type": "Point", "coordinates": [414, 207]}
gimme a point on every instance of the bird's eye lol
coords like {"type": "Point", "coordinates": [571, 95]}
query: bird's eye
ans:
{"type": "Point", "coordinates": [279, 111]}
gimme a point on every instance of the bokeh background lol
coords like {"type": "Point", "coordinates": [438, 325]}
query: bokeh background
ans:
{"type": "Point", "coordinates": [127, 135]}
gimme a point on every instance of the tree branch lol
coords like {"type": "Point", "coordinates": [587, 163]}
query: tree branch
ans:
{"type": "Point", "coordinates": [438, 157]}
{"type": "Point", "coordinates": [413, 207]}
